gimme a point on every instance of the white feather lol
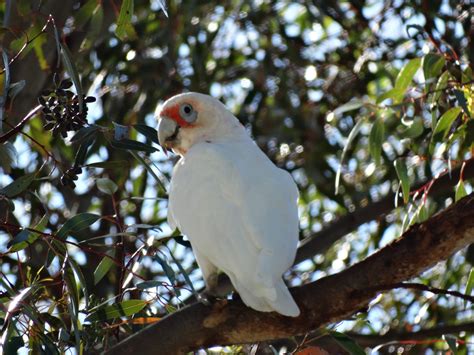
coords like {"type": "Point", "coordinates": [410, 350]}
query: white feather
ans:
{"type": "Point", "coordinates": [238, 210]}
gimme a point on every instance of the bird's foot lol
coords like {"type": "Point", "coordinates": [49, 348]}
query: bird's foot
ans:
{"type": "Point", "coordinates": [207, 297]}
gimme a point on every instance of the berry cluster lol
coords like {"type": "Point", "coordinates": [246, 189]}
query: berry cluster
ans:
{"type": "Point", "coordinates": [70, 175]}
{"type": "Point", "coordinates": [62, 111]}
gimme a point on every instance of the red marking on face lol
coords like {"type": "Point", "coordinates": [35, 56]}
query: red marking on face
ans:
{"type": "Point", "coordinates": [173, 113]}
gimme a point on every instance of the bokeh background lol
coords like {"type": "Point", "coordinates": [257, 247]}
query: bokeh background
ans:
{"type": "Point", "coordinates": [334, 92]}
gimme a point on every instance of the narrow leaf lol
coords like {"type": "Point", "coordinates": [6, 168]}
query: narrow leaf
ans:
{"type": "Point", "coordinates": [84, 133]}
{"type": "Point", "coordinates": [460, 190]}
{"type": "Point", "coordinates": [351, 137]}
{"type": "Point", "coordinates": [128, 144]}
{"type": "Point", "coordinates": [347, 343]}
{"type": "Point", "coordinates": [184, 273]}
{"type": "Point", "coordinates": [402, 173]}
{"type": "Point", "coordinates": [444, 124]}
{"type": "Point", "coordinates": [109, 164]}
{"type": "Point", "coordinates": [17, 186]}
{"type": "Point", "coordinates": [149, 284]}
{"type": "Point", "coordinates": [22, 240]}
{"type": "Point", "coordinates": [15, 88]}
{"type": "Point", "coordinates": [405, 76]}
{"type": "Point", "coordinates": [170, 274]}
{"type": "Point", "coordinates": [76, 223]}
{"type": "Point", "coordinates": [432, 65]}
{"type": "Point", "coordinates": [73, 73]}
{"type": "Point", "coordinates": [396, 95]}
{"type": "Point", "coordinates": [161, 180]}
{"type": "Point", "coordinates": [462, 101]}
{"type": "Point", "coordinates": [440, 87]}
{"type": "Point", "coordinates": [376, 137]}
{"type": "Point", "coordinates": [124, 22]}
{"type": "Point", "coordinates": [148, 132]}
{"type": "Point", "coordinates": [81, 153]}
{"type": "Point", "coordinates": [415, 129]}
{"type": "Point", "coordinates": [107, 186]}
{"type": "Point", "coordinates": [102, 269]}
{"type": "Point", "coordinates": [122, 309]}
{"type": "Point", "coordinates": [348, 106]}
{"type": "Point", "coordinates": [452, 341]}
{"type": "Point", "coordinates": [469, 284]}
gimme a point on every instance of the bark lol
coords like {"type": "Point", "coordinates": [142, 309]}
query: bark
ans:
{"type": "Point", "coordinates": [329, 299]}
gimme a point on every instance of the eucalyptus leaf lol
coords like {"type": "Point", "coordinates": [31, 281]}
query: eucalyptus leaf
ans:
{"type": "Point", "coordinates": [402, 173]}
{"type": "Point", "coordinates": [122, 309]}
{"type": "Point", "coordinates": [76, 223]}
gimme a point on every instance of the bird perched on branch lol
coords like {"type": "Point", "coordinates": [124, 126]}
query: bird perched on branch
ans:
{"type": "Point", "coordinates": [237, 208]}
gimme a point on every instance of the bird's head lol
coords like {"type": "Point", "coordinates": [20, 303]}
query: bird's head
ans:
{"type": "Point", "coordinates": [190, 118]}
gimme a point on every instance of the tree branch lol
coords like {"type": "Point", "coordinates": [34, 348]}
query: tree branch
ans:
{"type": "Point", "coordinates": [370, 340]}
{"type": "Point", "coordinates": [329, 299]}
{"type": "Point", "coordinates": [321, 241]}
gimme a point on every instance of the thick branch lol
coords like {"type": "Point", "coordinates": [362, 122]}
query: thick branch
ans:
{"type": "Point", "coordinates": [370, 340]}
{"type": "Point", "coordinates": [329, 299]}
{"type": "Point", "coordinates": [319, 242]}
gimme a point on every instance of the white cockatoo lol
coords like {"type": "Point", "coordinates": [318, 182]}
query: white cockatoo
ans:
{"type": "Point", "coordinates": [237, 208]}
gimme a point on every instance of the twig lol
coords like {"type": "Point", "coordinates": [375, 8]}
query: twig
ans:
{"type": "Point", "coordinates": [19, 126]}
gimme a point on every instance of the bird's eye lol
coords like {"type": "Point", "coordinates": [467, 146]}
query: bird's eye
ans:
{"type": "Point", "coordinates": [187, 113]}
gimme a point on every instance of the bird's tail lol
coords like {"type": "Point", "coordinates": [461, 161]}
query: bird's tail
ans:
{"type": "Point", "coordinates": [275, 298]}
{"type": "Point", "coordinates": [283, 303]}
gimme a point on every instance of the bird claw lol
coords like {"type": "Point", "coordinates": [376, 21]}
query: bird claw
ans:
{"type": "Point", "coordinates": [206, 298]}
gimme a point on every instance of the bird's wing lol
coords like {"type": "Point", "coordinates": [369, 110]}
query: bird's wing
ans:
{"type": "Point", "coordinates": [239, 211]}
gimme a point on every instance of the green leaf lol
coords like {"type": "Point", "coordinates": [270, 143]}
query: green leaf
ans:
{"type": "Point", "coordinates": [396, 95]}
{"type": "Point", "coordinates": [102, 269]}
{"type": "Point", "coordinates": [72, 287]}
{"type": "Point", "coordinates": [73, 74]}
{"type": "Point", "coordinates": [124, 23]}
{"type": "Point", "coordinates": [83, 284]}
{"type": "Point", "coordinates": [8, 155]}
{"type": "Point", "coordinates": [161, 181]}
{"type": "Point", "coordinates": [17, 186]}
{"type": "Point", "coordinates": [469, 284]}
{"type": "Point", "coordinates": [82, 151]}
{"type": "Point", "coordinates": [452, 342]}
{"type": "Point", "coordinates": [351, 137]}
{"type": "Point", "coordinates": [166, 268]}
{"type": "Point", "coordinates": [22, 240]}
{"type": "Point", "coordinates": [84, 133]}
{"type": "Point", "coordinates": [432, 65]}
{"type": "Point", "coordinates": [113, 164]}
{"type": "Point", "coordinates": [460, 190]}
{"type": "Point", "coordinates": [347, 343]}
{"type": "Point", "coordinates": [122, 309]}
{"type": "Point", "coordinates": [462, 101]}
{"type": "Point", "coordinates": [415, 129]}
{"type": "Point", "coordinates": [148, 132]}
{"type": "Point", "coordinates": [405, 76]}
{"type": "Point", "coordinates": [440, 87]}
{"type": "Point", "coordinates": [402, 173]}
{"type": "Point", "coordinates": [376, 137]}
{"type": "Point", "coordinates": [76, 223]}
{"type": "Point", "coordinates": [184, 273]}
{"type": "Point", "coordinates": [348, 106]}
{"type": "Point", "coordinates": [107, 186]}
{"type": "Point", "coordinates": [85, 12]}
{"type": "Point", "coordinates": [16, 88]}
{"type": "Point", "coordinates": [128, 144]}
{"type": "Point", "coordinates": [149, 284]}
{"type": "Point", "coordinates": [444, 124]}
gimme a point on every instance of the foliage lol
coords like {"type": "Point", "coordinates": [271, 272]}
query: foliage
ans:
{"type": "Point", "coordinates": [357, 99]}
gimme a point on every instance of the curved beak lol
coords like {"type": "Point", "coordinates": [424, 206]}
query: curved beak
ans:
{"type": "Point", "coordinates": [167, 131]}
